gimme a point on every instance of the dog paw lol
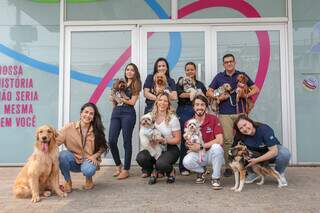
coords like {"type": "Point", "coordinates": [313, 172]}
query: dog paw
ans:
{"type": "Point", "coordinates": [62, 194]}
{"type": "Point", "coordinates": [47, 193]}
{"type": "Point", "coordinates": [233, 188]}
{"type": "Point", "coordinates": [35, 198]}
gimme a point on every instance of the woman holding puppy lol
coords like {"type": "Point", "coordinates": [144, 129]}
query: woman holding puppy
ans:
{"type": "Point", "coordinates": [124, 118]}
{"type": "Point", "coordinates": [185, 109]}
{"type": "Point", "coordinates": [168, 124]}
{"type": "Point", "coordinates": [260, 139]}
{"type": "Point", "coordinates": [150, 88]}
{"type": "Point", "coordinates": [85, 143]}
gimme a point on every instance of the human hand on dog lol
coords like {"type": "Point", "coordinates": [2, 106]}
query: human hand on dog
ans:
{"type": "Point", "coordinates": [161, 140]}
{"type": "Point", "coordinates": [93, 159]}
{"type": "Point", "coordinates": [252, 162]}
{"type": "Point", "coordinates": [224, 96]}
{"type": "Point", "coordinates": [195, 147]}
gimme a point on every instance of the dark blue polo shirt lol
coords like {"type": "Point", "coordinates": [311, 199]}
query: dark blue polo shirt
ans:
{"type": "Point", "coordinates": [149, 83]}
{"type": "Point", "coordinates": [261, 140]}
{"type": "Point", "coordinates": [186, 101]}
{"type": "Point", "coordinates": [229, 106]}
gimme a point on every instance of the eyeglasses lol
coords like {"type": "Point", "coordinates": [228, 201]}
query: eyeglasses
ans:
{"type": "Point", "coordinates": [228, 62]}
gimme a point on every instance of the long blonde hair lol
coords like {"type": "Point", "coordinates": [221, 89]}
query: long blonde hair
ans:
{"type": "Point", "coordinates": [170, 111]}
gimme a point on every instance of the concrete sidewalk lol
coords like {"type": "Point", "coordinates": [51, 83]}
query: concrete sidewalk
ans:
{"type": "Point", "coordinates": [135, 195]}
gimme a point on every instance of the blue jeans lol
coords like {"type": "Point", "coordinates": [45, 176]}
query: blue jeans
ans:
{"type": "Point", "coordinates": [68, 163]}
{"type": "Point", "coordinates": [184, 112]}
{"type": "Point", "coordinates": [282, 160]}
{"type": "Point", "coordinates": [122, 118]}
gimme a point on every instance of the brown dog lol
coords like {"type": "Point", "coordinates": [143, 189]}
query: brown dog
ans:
{"type": "Point", "coordinates": [214, 101]}
{"type": "Point", "coordinates": [160, 83]}
{"type": "Point", "coordinates": [242, 92]}
{"type": "Point", "coordinates": [118, 91]}
{"type": "Point", "coordinates": [239, 156]}
{"type": "Point", "coordinates": [40, 174]}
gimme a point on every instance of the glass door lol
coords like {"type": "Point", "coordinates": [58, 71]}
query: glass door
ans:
{"type": "Point", "coordinates": [94, 57]}
{"type": "Point", "coordinates": [260, 51]}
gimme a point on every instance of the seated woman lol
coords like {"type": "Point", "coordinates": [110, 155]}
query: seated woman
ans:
{"type": "Point", "coordinates": [260, 138]}
{"type": "Point", "coordinates": [85, 143]}
{"type": "Point", "coordinates": [168, 124]}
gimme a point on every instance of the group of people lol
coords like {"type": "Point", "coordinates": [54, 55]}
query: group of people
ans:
{"type": "Point", "coordinates": [85, 140]}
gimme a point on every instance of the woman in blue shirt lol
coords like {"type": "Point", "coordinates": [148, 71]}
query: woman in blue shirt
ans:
{"type": "Point", "coordinates": [260, 138]}
{"type": "Point", "coordinates": [161, 65]}
{"type": "Point", "coordinates": [124, 118]}
{"type": "Point", "coordinates": [185, 109]}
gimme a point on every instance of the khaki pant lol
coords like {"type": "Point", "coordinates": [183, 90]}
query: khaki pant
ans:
{"type": "Point", "coordinates": [227, 126]}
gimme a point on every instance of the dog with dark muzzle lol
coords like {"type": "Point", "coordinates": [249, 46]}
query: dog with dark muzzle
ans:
{"type": "Point", "coordinates": [239, 156]}
{"type": "Point", "coordinates": [118, 91]}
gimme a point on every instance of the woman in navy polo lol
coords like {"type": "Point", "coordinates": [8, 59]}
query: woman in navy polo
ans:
{"type": "Point", "coordinates": [124, 118]}
{"type": "Point", "coordinates": [161, 65]}
{"type": "Point", "coordinates": [185, 109]}
{"type": "Point", "coordinates": [260, 138]}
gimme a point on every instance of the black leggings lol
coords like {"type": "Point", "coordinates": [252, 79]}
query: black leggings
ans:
{"type": "Point", "coordinates": [164, 164]}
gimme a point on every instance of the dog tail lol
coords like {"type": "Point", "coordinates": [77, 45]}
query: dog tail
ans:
{"type": "Point", "coordinates": [21, 191]}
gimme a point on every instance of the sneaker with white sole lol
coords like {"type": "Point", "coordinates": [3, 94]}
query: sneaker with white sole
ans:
{"type": "Point", "coordinates": [216, 184]}
{"type": "Point", "coordinates": [283, 180]}
{"type": "Point", "coordinates": [185, 173]}
{"type": "Point", "coordinates": [251, 177]}
{"type": "Point", "coordinates": [200, 178]}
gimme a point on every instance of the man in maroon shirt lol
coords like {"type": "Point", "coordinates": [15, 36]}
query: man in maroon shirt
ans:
{"type": "Point", "coordinates": [212, 136]}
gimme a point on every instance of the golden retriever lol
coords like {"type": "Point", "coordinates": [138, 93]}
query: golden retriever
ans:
{"type": "Point", "coordinates": [40, 174]}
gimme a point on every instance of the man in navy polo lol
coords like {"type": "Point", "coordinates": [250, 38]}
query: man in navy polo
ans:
{"type": "Point", "coordinates": [211, 131]}
{"type": "Point", "coordinates": [228, 112]}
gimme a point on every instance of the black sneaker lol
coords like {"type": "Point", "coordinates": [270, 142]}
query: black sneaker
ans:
{"type": "Point", "coordinates": [216, 184]}
{"type": "Point", "coordinates": [152, 180]}
{"type": "Point", "coordinates": [200, 178]}
{"type": "Point", "coordinates": [228, 172]}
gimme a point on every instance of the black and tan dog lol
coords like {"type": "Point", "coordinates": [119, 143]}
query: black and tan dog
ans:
{"type": "Point", "coordinates": [118, 91]}
{"type": "Point", "coordinates": [239, 157]}
{"type": "Point", "coordinates": [242, 92]}
{"type": "Point", "coordinates": [160, 83]}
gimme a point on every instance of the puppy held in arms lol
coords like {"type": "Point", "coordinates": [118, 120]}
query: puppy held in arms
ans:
{"type": "Point", "coordinates": [160, 84]}
{"type": "Point", "coordinates": [214, 102]}
{"type": "Point", "coordinates": [239, 157]}
{"type": "Point", "coordinates": [118, 91]}
{"type": "Point", "coordinates": [242, 93]}
{"type": "Point", "coordinates": [188, 86]}
{"type": "Point", "coordinates": [149, 136]}
{"type": "Point", "coordinates": [192, 134]}
{"type": "Point", "coordinates": [40, 175]}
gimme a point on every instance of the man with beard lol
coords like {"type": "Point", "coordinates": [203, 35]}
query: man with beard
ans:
{"type": "Point", "coordinates": [212, 136]}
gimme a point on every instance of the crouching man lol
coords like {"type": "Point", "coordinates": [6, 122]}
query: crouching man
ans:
{"type": "Point", "coordinates": [212, 136]}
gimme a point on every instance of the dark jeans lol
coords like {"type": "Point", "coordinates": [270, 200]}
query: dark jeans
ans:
{"type": "Point", "coordinates": [184, 112]}
{"type": "Point", "coordinates": [164, 164]}
{"type": "Point", "coordinates": [122, 118]}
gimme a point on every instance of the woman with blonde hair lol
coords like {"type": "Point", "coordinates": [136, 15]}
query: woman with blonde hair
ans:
{"type": "Point", "coordinates": [168, 124]}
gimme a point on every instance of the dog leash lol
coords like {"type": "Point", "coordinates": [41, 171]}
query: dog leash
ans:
{"type": "Point", "coordinates": [84, 139]}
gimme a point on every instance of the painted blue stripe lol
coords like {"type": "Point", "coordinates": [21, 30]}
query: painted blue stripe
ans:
{"type": "Point", "coordinates": [175, 38]}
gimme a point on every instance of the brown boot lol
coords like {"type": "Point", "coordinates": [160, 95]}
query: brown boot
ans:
{"type": "Point", "coordinates": [67, 187]}
{"type": "Point", "coordinates": [89, 183]}
{"type": "Point", "coordinates": [118, 171]}
{"type": "Point", "coordinates": [123, 175]}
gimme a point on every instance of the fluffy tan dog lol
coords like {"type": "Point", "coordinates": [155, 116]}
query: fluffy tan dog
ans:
{"type": "Point", "coordinates": [214, 101]}
{"type": "Point", "coordinates": [40, 175]}
{"type": "Point", "coordinates": [160, 83]}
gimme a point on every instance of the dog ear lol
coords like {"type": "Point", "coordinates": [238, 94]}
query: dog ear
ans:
{"type": "Point", "coordinates": [55, 133]}
{"type": "Point", "coordinates": [37, 134]}
{"type": "Point", "coordinates": [180, 81]}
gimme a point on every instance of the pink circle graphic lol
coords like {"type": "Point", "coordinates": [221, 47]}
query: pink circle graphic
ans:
{"type": "Point", "coordinates": [241, 6]}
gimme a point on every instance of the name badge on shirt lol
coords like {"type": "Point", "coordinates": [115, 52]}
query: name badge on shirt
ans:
{"type": "Point", "coordinates": [209, 130]}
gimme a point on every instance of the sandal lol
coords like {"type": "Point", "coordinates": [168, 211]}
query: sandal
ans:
{"type": "Point", "coordinates": [172, 177]}
{"type": "Point", "coordinates": [118, 171]}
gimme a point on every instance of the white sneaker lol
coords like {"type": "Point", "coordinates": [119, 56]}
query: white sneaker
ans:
{"type": "Point", "coordinates": [283, 180]}
{"type": "Point", "coordinates": [251, 177]}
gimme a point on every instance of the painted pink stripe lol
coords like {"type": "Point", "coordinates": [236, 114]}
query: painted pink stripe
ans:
{"type": "Point", "coordinates": [109, 75]}
{"type": "Point", "coordinates": [240, 6]}
{"type": "Point", "coordinates": [247, 10]}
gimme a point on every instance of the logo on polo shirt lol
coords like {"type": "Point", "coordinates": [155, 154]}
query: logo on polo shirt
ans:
{"type": "Point", "coordinates": [271, 137]}
{"type": "Point", "coordinates": [208, 130]}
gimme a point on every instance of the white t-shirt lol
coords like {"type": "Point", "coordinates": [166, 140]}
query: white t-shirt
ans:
{"type": "Point", "coordinates": [166, 129]}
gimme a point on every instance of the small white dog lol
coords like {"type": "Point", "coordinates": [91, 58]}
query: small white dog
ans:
{"type": "Point", "coordinates": [193, 134]}
{"type": "Point", "coordinates": [149, 135]}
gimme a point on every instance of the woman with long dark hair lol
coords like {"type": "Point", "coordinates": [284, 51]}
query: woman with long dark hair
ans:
{"type": "Point", "coordinates": [149, 88]}
{"type": "Point", "coordinates": [260, 138]}
{"type": "Point", "coordinates": [185, 110]}
{"type": "Point", "coordinates": [85, 143]}
{"type": "Point", "coordinates": [124, 118]}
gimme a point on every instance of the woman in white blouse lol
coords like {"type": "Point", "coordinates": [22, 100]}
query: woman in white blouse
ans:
{"type": "Point", "coordinates": [168, 124]}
